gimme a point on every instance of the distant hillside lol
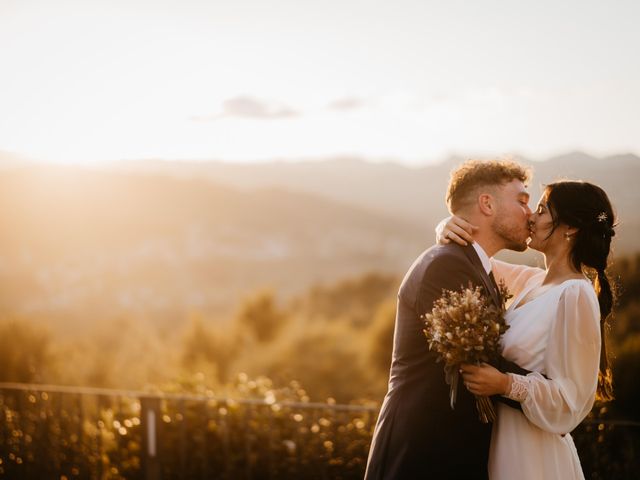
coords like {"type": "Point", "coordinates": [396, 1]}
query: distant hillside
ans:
{"type": "Point", "coordinates": [108, 243]}
{"type": "Point", "coordinates": [159, 240]}
{"type": "Point", "coordinates": [398, 191]}
{"type": "Point", "coordinates": [413, 194]}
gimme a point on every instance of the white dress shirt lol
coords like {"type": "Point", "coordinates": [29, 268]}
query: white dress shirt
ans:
{"type": "Point", "coordinates": [484, 258]}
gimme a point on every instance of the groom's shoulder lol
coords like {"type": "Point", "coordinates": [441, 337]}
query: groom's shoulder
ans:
{"type": "Point", "coordinates": [442, 254]}
{"type": "Point", "coordinates": [434, 266]}
{"type": "Point", "coordinates": [440, 257]}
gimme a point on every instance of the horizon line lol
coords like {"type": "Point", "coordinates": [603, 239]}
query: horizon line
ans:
{"type": "Point", "coordinates": [10, 156]}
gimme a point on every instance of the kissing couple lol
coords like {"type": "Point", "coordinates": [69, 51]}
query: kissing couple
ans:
{"type": "Point", "coordinates": [553, 360]}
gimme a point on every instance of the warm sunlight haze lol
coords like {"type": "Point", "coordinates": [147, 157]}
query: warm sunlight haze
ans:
{"type": "Point", "coordinates": [218, 250]}
{"type": "Point", "coordinates": [411, 81]}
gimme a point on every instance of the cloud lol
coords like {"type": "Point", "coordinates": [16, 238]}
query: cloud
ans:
{"type": "Point", "coordinates": [347, 103]}
{"type": "Point", "coordinates": [250, 107]}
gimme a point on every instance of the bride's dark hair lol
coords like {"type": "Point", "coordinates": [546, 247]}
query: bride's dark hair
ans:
{"type": "Point", "coordinates": [587, 208]}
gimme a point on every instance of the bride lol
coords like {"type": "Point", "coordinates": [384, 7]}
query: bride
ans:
{"type": "Point", "coordinates": [556, 330]}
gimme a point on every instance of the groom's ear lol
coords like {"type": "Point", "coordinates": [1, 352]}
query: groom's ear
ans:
{"type": "Point", "coordinates": [486, 204]}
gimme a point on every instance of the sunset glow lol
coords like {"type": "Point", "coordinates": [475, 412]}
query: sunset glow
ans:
{"type": "Point", "coordinates": [250, 80]}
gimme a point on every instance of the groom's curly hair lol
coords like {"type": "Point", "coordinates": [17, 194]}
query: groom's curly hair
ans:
{"type": "Point", "coordinates": [473, 174]}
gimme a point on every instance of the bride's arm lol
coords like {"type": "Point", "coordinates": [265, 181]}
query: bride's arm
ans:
{"type": "Point", "coordinates": [515, 277]}
{"type": "Point", "coordinates": [559, 403]}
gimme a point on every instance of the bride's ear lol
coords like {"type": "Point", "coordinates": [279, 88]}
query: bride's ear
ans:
{"type": "Point", "coordinates": [571, 232]}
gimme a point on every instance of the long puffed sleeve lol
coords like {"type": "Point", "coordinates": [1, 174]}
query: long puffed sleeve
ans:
{"type": "Point", "coordinates": [557, 404]}
{"type": "Point", "coordinates": [515, 277]}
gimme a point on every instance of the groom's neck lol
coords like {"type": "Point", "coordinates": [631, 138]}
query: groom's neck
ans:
{"type": "Point", "coordinates": [490, 245]}
{"type": "Point", "coordinates": [485, 235]}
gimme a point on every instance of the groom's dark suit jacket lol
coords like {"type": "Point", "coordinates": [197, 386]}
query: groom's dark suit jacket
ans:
{"type": "Point", "coordinates": [418, 435]}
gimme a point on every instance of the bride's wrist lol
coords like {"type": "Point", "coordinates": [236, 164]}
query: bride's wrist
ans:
{"type": "Point", "coordinates": [506, 384]}
{"type": "Point", "coordinates": [519, 386]}
{"type": "Point", "coordinates": [440, 229]}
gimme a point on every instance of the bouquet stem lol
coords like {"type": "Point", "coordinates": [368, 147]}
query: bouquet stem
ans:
{"type": "Point", "coordinates": [486, 412]}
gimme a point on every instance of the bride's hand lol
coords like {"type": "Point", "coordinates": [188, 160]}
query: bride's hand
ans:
{"type": "Point", "coordinates": [455, 229]}
{"type": "Point", "coordinates": [484, 379]}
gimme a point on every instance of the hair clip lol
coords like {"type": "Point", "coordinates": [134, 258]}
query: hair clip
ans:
{"type": "Point", "coordinates": [602, 217]}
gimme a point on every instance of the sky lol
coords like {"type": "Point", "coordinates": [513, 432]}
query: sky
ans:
{"type": "Point", "coordinates": [253, 80]}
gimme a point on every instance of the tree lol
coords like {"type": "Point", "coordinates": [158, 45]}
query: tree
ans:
{"type": "Point", "coordinates": [261, 316]}
{"type": "Point", "coordinates": [25, 352]}
{"type": "Point", "coordinates": [204, 344]}
{"type": "Point", "coordinates": [381, 336]}
{"type": "Point", "coordinates": [326, 361]}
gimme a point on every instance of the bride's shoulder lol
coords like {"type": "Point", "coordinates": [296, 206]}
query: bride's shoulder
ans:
{"type": "Point", "coordinates": [578, 284]}
{"type": "Point", "coordinates": [579, 290]}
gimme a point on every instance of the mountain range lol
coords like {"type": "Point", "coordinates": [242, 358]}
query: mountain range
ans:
{"type": "Point", "coordinates": [161, 239]}
{"type": "Point", "coordinates": [414, 194]}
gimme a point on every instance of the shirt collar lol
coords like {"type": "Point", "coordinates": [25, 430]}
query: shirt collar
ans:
{"type": "Point", "coordinates": [484, 258]}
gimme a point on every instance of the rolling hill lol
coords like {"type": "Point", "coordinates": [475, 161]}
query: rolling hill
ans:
{"type": "Point", "coordinates": [113, 244]}
{"type": "Point", "coordinates": [159, 240]}
{"type": "Point", "coordinates": [412, 194]}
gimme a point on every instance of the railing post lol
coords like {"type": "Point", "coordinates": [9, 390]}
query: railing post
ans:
{"type": "Point", "coordinates": [149, 414]}
{"type": "Point", "coordinates": [183, 439]}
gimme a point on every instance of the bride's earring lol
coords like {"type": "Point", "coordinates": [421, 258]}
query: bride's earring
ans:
{"type": "Point", "coordinates": [567, 237]}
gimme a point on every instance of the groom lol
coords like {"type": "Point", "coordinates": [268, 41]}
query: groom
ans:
{"type": "Point", "coordinates": [418, 435]}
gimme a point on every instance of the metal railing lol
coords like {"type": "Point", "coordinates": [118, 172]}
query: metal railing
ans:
{"type": "Point", "coordinates": [49, 431]}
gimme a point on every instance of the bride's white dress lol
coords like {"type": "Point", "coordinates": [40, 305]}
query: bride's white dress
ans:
{"type": "Point", "coordinates": [556, 334]}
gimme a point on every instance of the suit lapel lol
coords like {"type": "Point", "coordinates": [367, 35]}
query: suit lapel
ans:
{"type": "Point", "coordinates": [472, 255]}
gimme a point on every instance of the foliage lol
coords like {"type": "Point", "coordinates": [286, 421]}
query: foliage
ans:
{"type": "Point", "coordinates": [204, 345]}
{"type": "Point", "coordinates": [265, 432]}
{"type": "Point", "coordinates": [25, 352]}
{"type": "Point", "coordinates": [626, 274]}
{"type": "Point", "coordinates": [606, 448]}
{"type": "Point", "coordinates": [626, 368]}
{"type": "Point", "coordinates": [260, 315]}
{"type": "Point", "coordinates": [325, 358]}
{"type": "Point", "coordinates": [355, 300]}
{"type": "Point", "coordinates": [332, 341]}
{"type": "Point", "coordinates": [381, 337]}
